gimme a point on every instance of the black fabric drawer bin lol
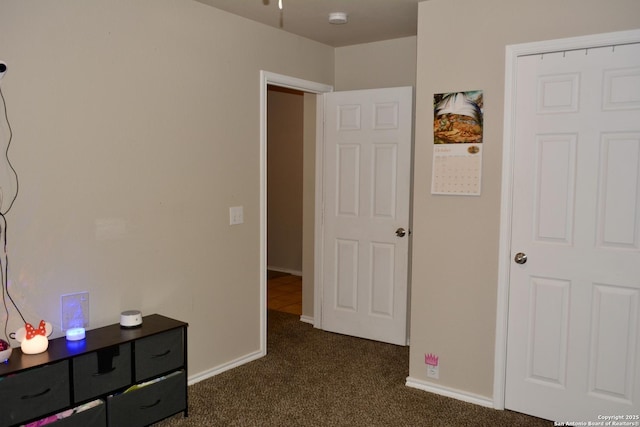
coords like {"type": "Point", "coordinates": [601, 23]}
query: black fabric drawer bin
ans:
{"type": "Point", "coordinates": [36, 391]}
{"type": "Point", "coordinates": [158, 354]}
{"type": "Point", "coordinates": [93, 417]}
{"type": "Point", "coordinates": [101, 372]}
{"type": "Point", "coordinates": [148, 404]}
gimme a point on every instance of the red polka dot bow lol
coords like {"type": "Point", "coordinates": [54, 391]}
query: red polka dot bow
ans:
{"type": "Point", "coordinates": [32, 332]}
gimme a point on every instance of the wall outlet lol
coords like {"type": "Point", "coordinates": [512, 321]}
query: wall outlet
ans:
{"type": "Point", "coordinates": [433, 372]}
{"type": "Point", "coordinates": [236, 215]}
{"type": "Point", "coordinates": [75, 310]}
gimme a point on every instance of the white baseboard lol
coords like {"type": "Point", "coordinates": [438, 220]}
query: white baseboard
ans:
{"type": "Point", "coordinates": [224, 367]}
{"type": "Point", "coordinates": [411, 382]}
{"type": "Point", "coordinates": [234, 363]}
{"type": "Point", "coordinates": [450, 392]}
{"type": "Point", "coordinates": [285, 270]}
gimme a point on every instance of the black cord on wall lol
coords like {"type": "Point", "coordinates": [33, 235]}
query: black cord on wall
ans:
{"type": "Point", "coordinates": [4, 258]}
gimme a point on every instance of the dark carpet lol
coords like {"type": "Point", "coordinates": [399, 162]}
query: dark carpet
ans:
{"type": "Point", "coordinates": [314, 378]}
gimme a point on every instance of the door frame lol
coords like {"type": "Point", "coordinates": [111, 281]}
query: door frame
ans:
{"type": "Point", "coordinates": [513, 52]}
{"type": "Point", "coordinates": [268, 78]}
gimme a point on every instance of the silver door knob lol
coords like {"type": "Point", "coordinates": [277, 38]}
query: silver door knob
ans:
{"type": "Point", "coordinates": [520, 258]}
{"type": "Point", "coordinates": [401, 232]}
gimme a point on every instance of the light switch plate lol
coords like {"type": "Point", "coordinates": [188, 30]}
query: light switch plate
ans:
{"type": "Point", "coordinates": [236, 215]}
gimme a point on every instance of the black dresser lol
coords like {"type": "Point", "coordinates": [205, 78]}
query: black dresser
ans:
{"type": "Point", "coordinates": [125, 377]}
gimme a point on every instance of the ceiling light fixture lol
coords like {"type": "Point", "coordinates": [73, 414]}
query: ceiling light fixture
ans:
{"type": "Point", "coordinates": [280, 4]}
{"type": "Point", "coordinates": [338, 18]}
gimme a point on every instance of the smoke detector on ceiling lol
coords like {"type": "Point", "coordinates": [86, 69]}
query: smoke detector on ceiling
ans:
{"type": "Point", "coordinates": [338, 18]}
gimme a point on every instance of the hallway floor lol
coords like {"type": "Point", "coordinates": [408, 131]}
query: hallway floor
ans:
{"type": "Point", "coordinates": [284, 293]}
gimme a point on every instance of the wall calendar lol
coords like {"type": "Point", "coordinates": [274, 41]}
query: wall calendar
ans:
{"type": "Point", "coordinates": [457, 143]}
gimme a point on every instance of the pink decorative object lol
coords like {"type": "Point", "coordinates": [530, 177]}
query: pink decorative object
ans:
{"type": "Point", "coordinates": [431, 359]}
{"type": "Point", "coordinates": [5, 351]}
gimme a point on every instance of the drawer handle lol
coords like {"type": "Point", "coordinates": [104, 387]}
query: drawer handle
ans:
{"type": "Point", "coordinates": [108, 371]}
{"type": "Point", "coordinates": [157, 356]}
{"type": "Point", "coordinates": [33, 396]}
{"type": "Point", "coordinates": [150, 406]}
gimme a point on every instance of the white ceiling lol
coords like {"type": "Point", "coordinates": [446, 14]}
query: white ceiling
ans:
{"type": "Point", "coordinates": [369, 20]}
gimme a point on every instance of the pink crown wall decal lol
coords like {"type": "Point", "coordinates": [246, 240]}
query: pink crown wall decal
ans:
{"type": "Point", "coordinates": [431, 359]}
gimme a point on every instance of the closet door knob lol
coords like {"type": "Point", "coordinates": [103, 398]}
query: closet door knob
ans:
{"type": "Point", "coordinates": [520, 258]}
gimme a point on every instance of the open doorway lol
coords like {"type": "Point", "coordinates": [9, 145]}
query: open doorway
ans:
{"type": "Point", "coordinates": [285, 185]}
{"type": "Point", "coordinates": [310, 191]}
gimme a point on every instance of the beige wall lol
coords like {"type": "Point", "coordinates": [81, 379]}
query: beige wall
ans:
{"type": "Point", "coordinates": [136, 126]}
{"type": "Point", "coordinates": [285, 133]}
{"type": "Point", "coordinates": [388, 63]}
{"type": "Point", "coordinates": [461, 46]}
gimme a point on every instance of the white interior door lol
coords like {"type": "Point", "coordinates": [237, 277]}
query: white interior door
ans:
{"type": "Point", "coordinates": [573, 323]}
{"type": "Point", "coordinates": [367, 175]}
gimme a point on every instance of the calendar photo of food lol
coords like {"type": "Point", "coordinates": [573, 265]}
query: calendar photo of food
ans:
{"type": "Point", "coordinates": [457, 143]}
{"type": "Point", "coordinates": [457, 117]}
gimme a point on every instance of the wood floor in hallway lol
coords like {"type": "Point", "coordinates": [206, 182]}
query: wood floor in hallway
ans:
{"type": "Point", "coordinates": [284, 293]}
